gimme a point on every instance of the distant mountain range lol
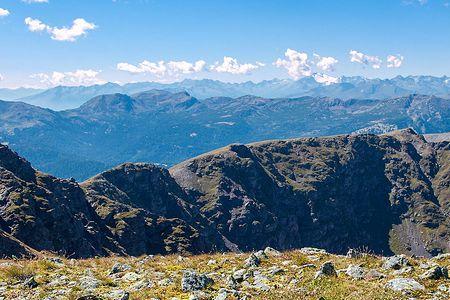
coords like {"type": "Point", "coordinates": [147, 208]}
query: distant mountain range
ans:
{"type": "Point", "coordinates": [165, 128]}
{"type": "Point", "coordinates": [62, 97]}
{"type": "Point", "coordinates": [13, 94]}
{"type": "Point", "coordinates": [385, 194]}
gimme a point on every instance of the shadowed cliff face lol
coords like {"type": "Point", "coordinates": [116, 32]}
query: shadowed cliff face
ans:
{"type": "Point", "coordinates": [388, 193]}
{"type": "Point", "coordinates": [337, 193]}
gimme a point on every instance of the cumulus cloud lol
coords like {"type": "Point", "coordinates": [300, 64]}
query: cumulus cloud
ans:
{"type": "Point", "coordinates": [75, 78]}
{"type": "Point", "coordinates": [162, 68]}
{"type": "Point", "coordinates": [394, 61]}
{"type": "Point", "coordinates": [79, 28]}
{"type": "Point", "coordinates": [232, 66]}
{"type": "Point", "coordinates": [325, 63]}
{"type": "Point", "coordinates": [372, 61]}
{"type": "Point", "coordinates": [296, 63]}
{"type": "Point", "coordinates": [3, 12]}
{"type": "Point", "coordinates": [1, 77]}
{"type": "Point", "coordinates": [326, 79]}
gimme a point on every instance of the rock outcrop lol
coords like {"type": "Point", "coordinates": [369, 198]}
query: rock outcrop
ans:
{"type": "Point", "coordinates": [389, 194]}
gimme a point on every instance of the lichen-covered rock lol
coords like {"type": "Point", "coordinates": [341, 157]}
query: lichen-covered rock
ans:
{"type": "Point", "coordinates": [327, 269]}
{"type": "Point", "coordinates": [252, 261]}
{"type": "Point", "coordinates": [192, 281]}
{"type": "Point", "coordinates": [404, 284]}
{"type": "Point", "coordinates": [356, 272]}
{"type": "Point", "coordinates": [435, 272]}
{"type": "Point", "coordinates": [118, 267]}
{"type": "Point", "coordinates": [395, 262]}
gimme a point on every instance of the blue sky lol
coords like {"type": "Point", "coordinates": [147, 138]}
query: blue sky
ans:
{"type": "Point", "coordinates": [168, 40]}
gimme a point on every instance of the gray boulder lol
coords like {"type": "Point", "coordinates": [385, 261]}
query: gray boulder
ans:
{"type": "Point", "coordinates": [435, 273]}
{"type": "Point", "coordinates": [252, 261]}
{"type": "Point", "coordinates": [327, 269]}
{"type": "Point", "coordinates": [356, 272]}
{"type": "Point", "coordinates": [118, 267]}
{"type": "Point", "coordinates": [404, 284]}
{"type": "Point", "coordinates": [269, 251]}
{"type": "Point", "coordinates": [191, 281]}
{"type": "Point", "coordinates": [395, 262]}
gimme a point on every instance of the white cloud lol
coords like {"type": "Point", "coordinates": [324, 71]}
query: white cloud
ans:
{"type": "Point", "coordinates": [4, 12]}
{"type": "Point", "coordinates": [394, 61]}
{"type": "Point", "coordinates": [325, 63]}
{"type": "Point", "coordinates": [232, 66]}
{"type": "Point", "coordinates": [1, 77]}
{"type": "Point", "coordinates": [79, 28]}
{"type": "Point", "coordinates": [35, 25]}
{"type": "Point", "coordinates": [185, 67]}
{"type": "Point", "coordinates": [75, 78]}
{"type": "Point", "coordinates": [296, 63]}
{"type": "Point", "coordinates": [162, 68]}
{"type": "Point", "coordinates": [372, 61]}
{"type": "Point", "coordinates": [326, 79]}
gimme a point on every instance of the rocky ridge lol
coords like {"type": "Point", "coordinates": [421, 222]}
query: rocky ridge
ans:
{"type": "Point", "coordinates": [388, 194]}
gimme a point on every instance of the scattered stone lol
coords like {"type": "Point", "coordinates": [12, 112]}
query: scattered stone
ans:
{"type": "Point", "coordinates": [286, 262]}
{"type": "Point", "coordinates": [352, 253]}
{"type": "Point", "coordinates": [191, 281]}
{"type": "Point", "coordinates": [402, 271]}
{"type": "Point", "coordinates": [312, 251]}
{"type": "Point", "coordinates": [131, 276]}
{"type": "Point", "coordinates": [443, 288]}
{"type": "Point", "coordinates": [118, 268]}
{"type": "Point", "coordinates": [275, 270]}
{"type": "Point", "coordinates": [224, 293]}
{"type": "Point", "coordinates": [89, 297]}
{"type": "Point", "coordinates": [269, 251]}
{"type": "Point", "coordinates": [327, 269]}
{"type": "Point", "coordinates": [441, 256]}
{"type": "Point", "coordinates": [426, 265]}
{"type": "Point", "coordinates": [435, 273]}
{"type": "Point", "coordinates": [252, 261]}
{"type": "Point", "coordinates": [261, 255]}
{"type": "Point", "coordinates": [239, 275]}
{"type": "Point", "coordinates": [141, 285]}
{"type": "Point", "coordinates": [199, 295]}
{"type": "Point", "coordinates": [395, 262]}
{"type": "Point", "coordinates": [374, 275]}
{"type": "Point", "coordinates": [118, 295]}
{"type": "Point", "coordinates": [306, 266]}
{"type": "Point", "coordinates": [165, 282]}
{"type": "Point", "coordinates": [212, 262]}
{"type": "Point", "coordinates": [55, 260]}
{"type": "Point", "coordinates": [404, 284]}
{"type": "Point", "coordinates": [30, 283]}
{"type": "Point", "coordinates": [260, 282]}
{"type": "Point", "coordinates": [356, 272]}
{"type": "Point", "coordinates": [89, 283]}
{"type": "Point", "coordinates": [231, 282]}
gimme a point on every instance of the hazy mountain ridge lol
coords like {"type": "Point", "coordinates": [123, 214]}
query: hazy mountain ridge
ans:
{"type": "Point", "coordinates": [166, 128]}
{"type": "Point", "coordinates": [61, 97]}
{"type": "Point", "coordinates": [325, 192]}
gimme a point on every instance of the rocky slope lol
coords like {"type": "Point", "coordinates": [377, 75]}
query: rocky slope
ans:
{"type": "Point", "coordinates": [307, 273]}
{"type": "Point", "coordinates": [387, 193]}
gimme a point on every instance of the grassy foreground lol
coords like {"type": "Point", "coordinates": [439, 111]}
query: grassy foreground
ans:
{"type": "Point", "coordinates": [287, 275]}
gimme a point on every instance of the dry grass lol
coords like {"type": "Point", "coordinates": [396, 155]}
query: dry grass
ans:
{"type": "Point", "coordinates": [295, 282]}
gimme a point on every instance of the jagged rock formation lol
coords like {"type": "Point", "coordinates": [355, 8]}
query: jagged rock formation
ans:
{"type": "Point", "coordinates": [387, 193]}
